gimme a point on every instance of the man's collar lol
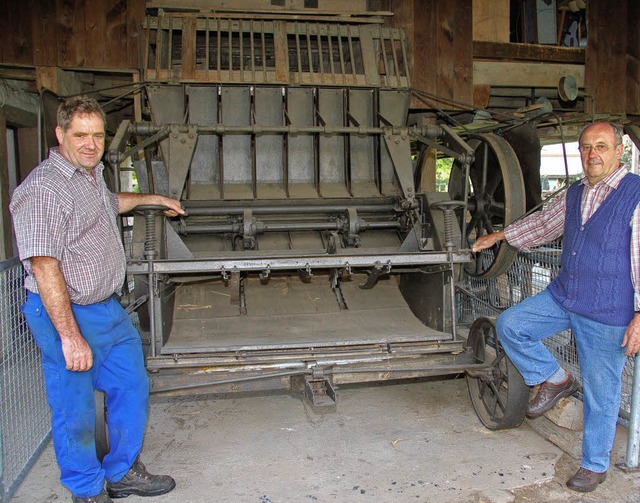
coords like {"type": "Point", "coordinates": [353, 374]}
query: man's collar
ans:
{"type": "Point", "coordinates": [612, 180]}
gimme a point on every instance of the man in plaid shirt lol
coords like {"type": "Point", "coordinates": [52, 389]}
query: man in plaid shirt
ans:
{"type": "Point", "coordinates": [596, 295]}
{"type": "Point", "coordinates": [65, 222]}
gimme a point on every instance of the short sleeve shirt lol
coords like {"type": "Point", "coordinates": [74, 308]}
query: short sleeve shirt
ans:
{"type": "Point", "coordinates": [67, 213]}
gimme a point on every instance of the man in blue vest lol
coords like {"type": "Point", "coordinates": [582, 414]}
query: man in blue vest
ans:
{"type": "Point", "coordinates": [596, 295]}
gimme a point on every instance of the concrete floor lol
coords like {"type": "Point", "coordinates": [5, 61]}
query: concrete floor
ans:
{"type": "Point", "coordinates": [405, 442]}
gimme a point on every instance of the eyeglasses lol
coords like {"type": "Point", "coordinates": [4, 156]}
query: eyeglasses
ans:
{"type": "Point", "coordinates": [599, 148]}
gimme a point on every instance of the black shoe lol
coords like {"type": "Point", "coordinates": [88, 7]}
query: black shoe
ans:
{"type": "Point", "coordinates": [139, 481]}
{"type": "Point", "coordinates": [100, 498]}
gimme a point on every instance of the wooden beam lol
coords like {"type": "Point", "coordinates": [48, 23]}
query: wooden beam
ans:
{"type": "Point", "coordinates": [491, 20]}
{"type": "Point", "coordinates": [47, 78]}
{"type": "Point", "coordinates": [496, 73]}
{"type": "Point", "coordinates": [18, 73]}
{"type": "Point", "coordinates": [455, 46]}
{"type": "Point", "coordinates": [440, 47]}
{"type": "Point", "coordinates": [188, 66]}
{"type": "Point", "coordinates": [606, 56]}
{"type": "Point", "coordinates": [289, 6]}
{"type": "Point", "coordinates": [633, 59]}
{"type": "Point", "coordinates": [6, 240]}
{"type": "Point", "coordinates": [428, 171]}
{"type": "Point", "coordinates": [281, 51]}
{"type": "Point", "coordinates": [528, 52]}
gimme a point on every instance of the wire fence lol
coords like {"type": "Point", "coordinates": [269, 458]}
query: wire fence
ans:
{"type": "Point", "coordinates": [530, 273]}
{"type": "Point", "coordinates": [25, 420]}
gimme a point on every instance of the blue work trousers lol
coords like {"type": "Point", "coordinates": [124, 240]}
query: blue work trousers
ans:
{"type": "Point", "coordinates": [522, 328]}
{"type": "Point", "coordinates": [118, 370]}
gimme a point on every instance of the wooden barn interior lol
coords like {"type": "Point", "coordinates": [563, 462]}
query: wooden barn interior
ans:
{"type": "Point", "coordinates": [562, 63]}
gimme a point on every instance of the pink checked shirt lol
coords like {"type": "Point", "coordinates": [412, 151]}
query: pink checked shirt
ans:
{"type": "Point", "coordinates": [548, 224]}
{"type": "Point", "coordinates": [64, 212]}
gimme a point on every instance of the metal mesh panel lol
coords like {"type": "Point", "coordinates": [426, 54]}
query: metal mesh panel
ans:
{"type": "Point", "coordinates": [25, 421]}
{"type": "Point", "coordinates": [528, 275]}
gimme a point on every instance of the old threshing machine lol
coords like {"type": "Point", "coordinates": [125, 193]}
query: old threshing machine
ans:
{"type": "Point", "coordinates": [306, 258]}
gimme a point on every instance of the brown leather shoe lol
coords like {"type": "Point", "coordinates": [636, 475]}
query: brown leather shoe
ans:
{"type": "Point", "coordinates": [585, 480]}
{"type": "Point", "coordinates": [549, 394]}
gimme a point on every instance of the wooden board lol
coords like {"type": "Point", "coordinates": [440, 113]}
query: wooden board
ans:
{"type": "Point", "coordinates": [633, 60]}
{"type": "Point", "coordinates": [606, 54]}
{"type": "Point", "coordinates": [528, 52]}
{"type": "Point", "coordinates": [71, 33]}
{"type": "Point", "coordinates": [491, 20]}
{"type": "Point", "coordinates": [508, 74]}
{"type": "Point", "coordinates": [441, 47]}
{"type": "Point", "coordinates": [289, 313]}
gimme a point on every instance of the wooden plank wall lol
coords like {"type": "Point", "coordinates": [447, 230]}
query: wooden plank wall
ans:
{"type": "Point", "coordinates": [633, 59]}
{"type": "Point", "coordinates": [441, 47]}
{"type": "Point", "coordinates": [71, 33]}
{"type": "Point", "coordinates": [612, 72]}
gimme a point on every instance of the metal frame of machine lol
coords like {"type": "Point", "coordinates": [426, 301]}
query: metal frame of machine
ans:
{"type": "Point", "coordinates": [287, 144]}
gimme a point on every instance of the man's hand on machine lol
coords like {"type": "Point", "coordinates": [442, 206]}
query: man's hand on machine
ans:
{"type": "Point", "coordinates": [175, 207]}
{"type": "Point", "coordinates": [487, 241]}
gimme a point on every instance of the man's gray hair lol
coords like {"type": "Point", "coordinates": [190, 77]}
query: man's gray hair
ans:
{"type": "Point", "coordinates": [618, 133]}
{"type": "Point", "coordinates": [78, 105]}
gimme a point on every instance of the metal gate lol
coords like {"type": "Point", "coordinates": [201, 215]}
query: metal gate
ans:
{"type": "Point", "coordinates": [25, 420]}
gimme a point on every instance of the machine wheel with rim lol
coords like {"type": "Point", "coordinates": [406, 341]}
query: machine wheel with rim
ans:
{"type": "Point", "coordinates": [496, 198]}
{"type": "Point", "coordinates": [499, 395]}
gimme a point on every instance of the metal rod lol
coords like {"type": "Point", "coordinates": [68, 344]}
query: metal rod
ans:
{"type": "Point", "coordinates": [438, 369]}
{"type": "Point", "coordinates": [282, 262]}
{"type": "Point", "coordinates": [230, 381]}
{"type": "Point", "coordinates": [265, 210]}
{"type": "Point", "coordinates": [282, 226]}
{"type": "Point", "coordinates": [383, 51]}
{"type": "Point", "coordinates": [633, 442]}
{"type": "Point", "coordinates": [428, 132]}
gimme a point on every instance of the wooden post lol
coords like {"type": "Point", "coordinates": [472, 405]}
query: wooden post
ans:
{"type": "Point", "coordinates": [6, 241]}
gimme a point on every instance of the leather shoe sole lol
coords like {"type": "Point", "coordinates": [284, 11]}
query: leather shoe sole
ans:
{"type": "Point", "coordinates": [156, 491]}
{"type": "Point", "coordinates": [550, 394]}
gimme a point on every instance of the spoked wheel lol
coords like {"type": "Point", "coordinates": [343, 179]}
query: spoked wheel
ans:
{"type": "Point", "coordinates": [496, 198]}
{"type": "Point", "coordinates": [499, 395]}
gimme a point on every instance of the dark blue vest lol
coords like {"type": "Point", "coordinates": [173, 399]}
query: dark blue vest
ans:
{"type": "Point", "coordinates": [595, 278]}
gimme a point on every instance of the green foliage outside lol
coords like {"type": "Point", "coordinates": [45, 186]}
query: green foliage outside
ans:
{"type": "Point", "coordinates": [443, 169]}
{"type": "Point", "coordinates": [627, 154]}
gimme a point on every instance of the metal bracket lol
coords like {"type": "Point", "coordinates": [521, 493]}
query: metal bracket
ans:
{"type": "Point", "coordinates": [248, 230]}
{"type": "Point", "coordinates": [234, 287]}
{"type": "Point", "coordinates": [374, 275]}
{"type": "Point", "coordinates": [353, 226]}
{"type": "Point", "coordinates": [319, 391]}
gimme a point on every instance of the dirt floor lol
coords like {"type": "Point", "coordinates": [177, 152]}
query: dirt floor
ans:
{"type": "Point", "coordinates": [403, 442]}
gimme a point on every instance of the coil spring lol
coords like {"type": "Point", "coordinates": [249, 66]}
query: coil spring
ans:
{"type": "Point", "coordinates": [448, 215]}
{"type": "Point", "coordinates": [150, 234]}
